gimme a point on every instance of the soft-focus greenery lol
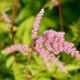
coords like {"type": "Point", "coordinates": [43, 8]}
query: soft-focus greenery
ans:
{"type": "Point", "coordinates": [26, 11]}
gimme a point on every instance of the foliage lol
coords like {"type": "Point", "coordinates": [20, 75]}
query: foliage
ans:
{"type": "Point", "coordinates": [26, 11]}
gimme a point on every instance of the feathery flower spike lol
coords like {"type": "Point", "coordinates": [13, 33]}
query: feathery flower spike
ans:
{"type": "Point", "coordinates": [18, 47]}
{"type": "Point", "coordinates": [36, 25]}
{"type": "Point", "coordinates": [6, 19]}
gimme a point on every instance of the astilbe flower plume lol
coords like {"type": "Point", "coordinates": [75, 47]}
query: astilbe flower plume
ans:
{"type": "Point", "coordinates": [36, 25]}
{"type": "Point", "coordinates": [17, 47]}
{"type": "Point", "coordinates": [6, 19]}
{"type": "Point", "coordinates": [47, 45]}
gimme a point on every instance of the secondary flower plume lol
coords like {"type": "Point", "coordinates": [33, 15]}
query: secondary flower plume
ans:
{"type": "Point", "coordinates": [47, 45]}
{"type": "Point", "coordinates": [6, 19]}
{"type": "Point", "coordinates": [36, 25]}
{"type": "Point", "coordinates": [18, 47]}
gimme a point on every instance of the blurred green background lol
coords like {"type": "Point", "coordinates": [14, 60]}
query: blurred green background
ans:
{"type": "Point", "coordinates": [26, 11]}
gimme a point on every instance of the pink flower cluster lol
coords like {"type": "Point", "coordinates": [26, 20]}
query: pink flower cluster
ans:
{"type": "Point", "coordinates": [19, 47]}
{"type": "Point", "coordinates": [56, 2]}
{"type": "Point", "coordinates": [36, 25]}
{"type": "Point", "coordinates": [52, 41]}
{"type": "Point", "coordinates": [47, 45]}
{"type": "Point", "coordinates": [6, 19]}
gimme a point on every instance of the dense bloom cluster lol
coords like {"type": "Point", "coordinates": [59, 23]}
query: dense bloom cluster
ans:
{"type": "Point", "coordinates": [54, 41]}
{"type": "Point", "coordinates": [56, 2]}
{"type": "Point", "coordinates": [6, 19]}
{"type": "Point", "coordinates": [44, 53]}
{"type": "Point", "coordinates": [47, 45]}
{"type": "Point", "coordinates": [18, 47]}
{"type": "Point", "coordinates": [36, 25]}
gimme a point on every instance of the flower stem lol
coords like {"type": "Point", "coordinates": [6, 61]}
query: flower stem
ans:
{"type": "Point", "coordinates": [60, 16]}
{"type": "Point", "coordinates": [12, 32]}
{"type": "Point", "coordinates": [29, 56]}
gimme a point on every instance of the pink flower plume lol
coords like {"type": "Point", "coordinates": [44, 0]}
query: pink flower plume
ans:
{"type": "Point", "coordinates": [36, 24]}
{"type": "Point", "coordinates": [18, 47]}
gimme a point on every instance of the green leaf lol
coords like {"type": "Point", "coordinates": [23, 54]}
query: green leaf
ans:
{"type": "Point", "coordinates": [72, 67]}
{"type": "Point", "coordinates": [60, 75]}
{"type": "Point", "coordinates": [24, 30]}
{"type": "Point", "coordinates": [3, 27]}
{"type": "Point", "coordinates": [17, 72]}
{"type": "Point", "coordinates": [42, 78]}
{"type": "Point", "coordinates": [9, 61]}
{"type": "Point", "coordinates": [49, 5]}
{"type": "Point", "coordinates": [7, 3]}
{"type": "Point", "coordinates": [76, 77]}
{"type": "Point", "coordinates": [23, 14]}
